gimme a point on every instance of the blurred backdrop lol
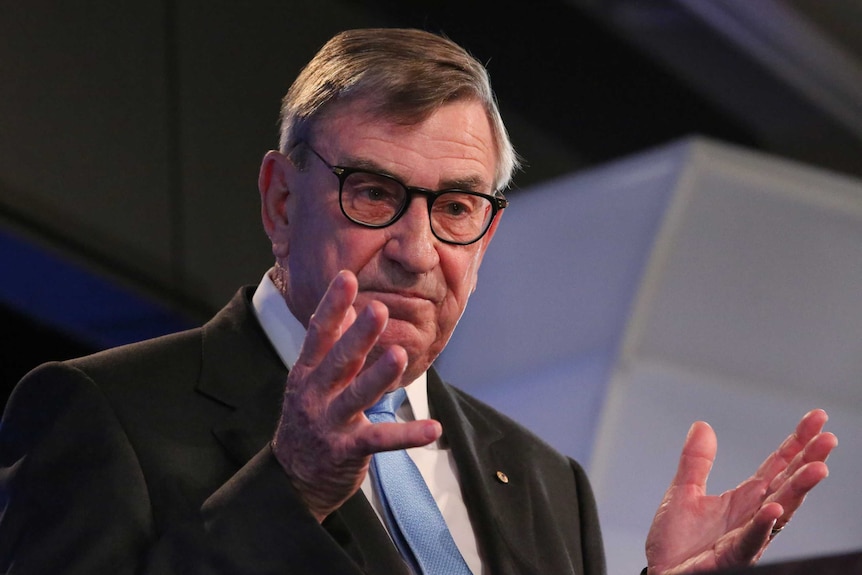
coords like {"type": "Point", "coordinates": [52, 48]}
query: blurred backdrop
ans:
{"type": "Point", "coordinates": [658, 137]}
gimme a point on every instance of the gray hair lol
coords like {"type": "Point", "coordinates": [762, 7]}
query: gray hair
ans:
{"type": "Point", "coordinates": [405, 74]}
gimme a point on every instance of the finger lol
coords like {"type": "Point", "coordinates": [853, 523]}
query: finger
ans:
{"type": "Point", "coordinates": [698, 455]}
{"type": "Point", "coordinates": [366, 390]}
{"type": "Point", "coordinates": [809, 426]}
{"type": "Point", "coordinates": [751, 494]}
{"type": "Point", "coordinates": [792, 492]}
{"type": "Point", "coordinates": [391, 436]}
{"type": "Point", "coordinates": [349, 318]}
{"type": "Point", "coordinates": [348, 355]}
{"type": "Point", "coordinates": [749, 544]}
{"type": "Point", "coordinates": [818, 449]}
{"type": "Point", "coordinates": [326, 326]}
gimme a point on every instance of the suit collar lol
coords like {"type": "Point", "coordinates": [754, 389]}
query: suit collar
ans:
{"type": "Point", "coordinates": [240, 369]}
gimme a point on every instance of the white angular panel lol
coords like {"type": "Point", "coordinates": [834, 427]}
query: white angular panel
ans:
{"type": "Point", "coordinates": [554, 294]}
{"type": "Point", "coordinates": [759, 277]}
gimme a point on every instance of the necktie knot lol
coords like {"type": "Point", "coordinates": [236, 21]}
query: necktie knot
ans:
{"type": "Point", "coordinates": [388, 404]}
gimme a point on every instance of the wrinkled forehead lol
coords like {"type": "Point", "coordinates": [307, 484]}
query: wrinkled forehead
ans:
{"type": "Point", "coordinates": [356, 111]}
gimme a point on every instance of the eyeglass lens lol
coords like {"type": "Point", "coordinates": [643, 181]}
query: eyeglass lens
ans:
{"type": "Point", "coordinates": [376, 200]}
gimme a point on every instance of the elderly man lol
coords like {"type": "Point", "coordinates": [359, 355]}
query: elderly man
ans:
{"type": "Point", "coordinates": [190, 453]}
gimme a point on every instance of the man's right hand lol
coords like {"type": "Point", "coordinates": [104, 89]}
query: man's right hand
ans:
{"type": "Point", "coordinates": [323, 441]}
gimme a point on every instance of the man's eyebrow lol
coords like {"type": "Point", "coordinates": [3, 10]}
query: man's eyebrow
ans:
{"type": "Point", "coordinates": [469, 183]}
{"type": "Point", "coordinates": [364, 164]}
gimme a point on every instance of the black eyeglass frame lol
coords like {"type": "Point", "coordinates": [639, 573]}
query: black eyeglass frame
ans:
{"type": "Point", "coordinates": [498, 202]}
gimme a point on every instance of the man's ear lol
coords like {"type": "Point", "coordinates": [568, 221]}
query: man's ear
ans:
{"type": "Point", "coordinates": [274, 191]}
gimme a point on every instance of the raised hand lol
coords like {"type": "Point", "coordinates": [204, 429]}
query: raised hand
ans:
{"type": "Point", "coordinates": [693, 531]}
{"type": "Point", "coordinates": [324, 441]}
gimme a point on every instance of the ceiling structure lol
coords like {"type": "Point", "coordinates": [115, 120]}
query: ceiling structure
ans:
{"type": "Point", "coordinates": [790, 71]}
{"type": "Point", "coordinates": [604, 78]}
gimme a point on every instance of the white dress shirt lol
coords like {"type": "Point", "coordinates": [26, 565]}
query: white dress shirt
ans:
{"type": "Point", "coordinates": [435, 463]}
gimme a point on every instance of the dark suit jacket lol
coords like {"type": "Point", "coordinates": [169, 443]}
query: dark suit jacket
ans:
{"type": "Point", "coordinates": [154, 458]}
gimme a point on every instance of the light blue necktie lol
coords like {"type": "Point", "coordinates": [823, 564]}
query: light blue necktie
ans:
{"type": "Point", "coordinates": [412, 515]}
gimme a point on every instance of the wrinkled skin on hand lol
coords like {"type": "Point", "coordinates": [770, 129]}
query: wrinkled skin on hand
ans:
{"type": "Point", "coordinates": [323, 441]}
{"type": "Point", "coordinates": [693, 531]}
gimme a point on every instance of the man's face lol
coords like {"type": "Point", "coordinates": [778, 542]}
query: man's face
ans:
{"type": "Point", "coordinates": [424, 282]}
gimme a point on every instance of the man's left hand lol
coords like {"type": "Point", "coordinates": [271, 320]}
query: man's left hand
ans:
{"type": "Point", "coordinates": [693, 531]}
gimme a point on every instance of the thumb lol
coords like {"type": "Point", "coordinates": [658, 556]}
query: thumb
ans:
{"type": "Point", "coordinates": [698, 455]}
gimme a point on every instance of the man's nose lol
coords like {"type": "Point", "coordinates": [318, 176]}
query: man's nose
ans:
{"type": "Point", "coordinates": [412, 243]}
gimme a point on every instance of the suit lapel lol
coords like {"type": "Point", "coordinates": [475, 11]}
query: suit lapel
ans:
{"type": "Point", "coordinates": [240, 369]}
{"type": "Point", "coordinates": [496, 503]}
{"type": "Point", "coordinates": [358, 530]}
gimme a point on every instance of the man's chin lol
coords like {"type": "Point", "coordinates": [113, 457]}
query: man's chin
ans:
{"type": "Point", "coordinates": [415, 342]}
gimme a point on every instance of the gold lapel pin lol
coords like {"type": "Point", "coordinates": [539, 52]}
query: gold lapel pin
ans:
{"type": "Point", "coordinates": [502, 477]}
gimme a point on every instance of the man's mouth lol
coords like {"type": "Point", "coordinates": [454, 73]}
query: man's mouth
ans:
{"type": "Point", "coordinates": [395, 295]}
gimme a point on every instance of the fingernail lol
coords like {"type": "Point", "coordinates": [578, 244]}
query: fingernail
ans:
{"type": "Point", "coordinates": [392, 358]}
{"type": "Point", "coordinates": [368, 313]}
{"type": "Point", "coordinates": [395, 352]}
{"type": "Point", "coordinates": [433, 431]}
{"type": "Point", "coordinates": [691, 429]}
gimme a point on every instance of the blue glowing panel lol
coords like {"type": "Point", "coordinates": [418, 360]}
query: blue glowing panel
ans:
{"type": "Point", "coordinates": [76, 300]}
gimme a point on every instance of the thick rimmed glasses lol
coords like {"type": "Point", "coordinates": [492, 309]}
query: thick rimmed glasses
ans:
{"type": "Point", "coordinates": [376, 200]}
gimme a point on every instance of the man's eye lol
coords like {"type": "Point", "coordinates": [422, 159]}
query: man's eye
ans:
{"type": "Point", "coordinates": [376, 194]}
{"type": "Point", "coordinates": [456, 209]}
{"type": "Point", "coordinates": [453, 206]}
